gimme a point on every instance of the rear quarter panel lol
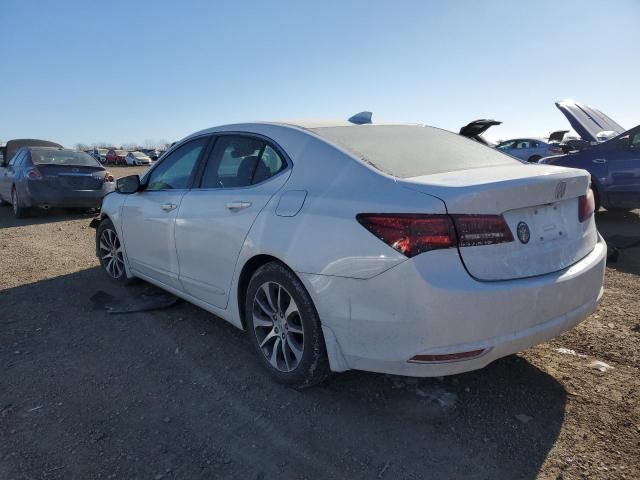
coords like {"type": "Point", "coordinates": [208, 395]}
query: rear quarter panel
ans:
{"type": "Point", "coordinates": [324, 237]}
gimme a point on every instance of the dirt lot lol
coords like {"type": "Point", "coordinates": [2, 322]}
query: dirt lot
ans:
{"type": "Point", "coordinates": [178, 393]}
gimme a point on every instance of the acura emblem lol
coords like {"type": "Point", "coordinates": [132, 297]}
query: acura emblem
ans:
{"type": "Point", "coordinates": [561, 189]}
{"type": "Point", "coordinates": [523, 232]}
{"type": "Point", "coordinates": [75, 170]}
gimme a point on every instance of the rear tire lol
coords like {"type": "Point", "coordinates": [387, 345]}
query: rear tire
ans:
{"type": "Point", "coordinates": [110, 252]}
{"type": "Point", "coordinates": [534, 158]}
{"type": "Point", "coordinates": [284, 327]}
{"type": "Point", "coordinates": [18, 210]}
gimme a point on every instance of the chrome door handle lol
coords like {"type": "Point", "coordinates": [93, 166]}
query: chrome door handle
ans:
{"type": "Point", "coordinates": [599, 160]}
{"type": "Point", "coordinates": [167, 207]}
{"type": "Point", "coordinates": [234, 206]}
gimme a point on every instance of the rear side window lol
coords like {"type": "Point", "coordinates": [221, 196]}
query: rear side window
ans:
{"type": "Point", "coordinates": [174, 172]}
{"type": "Point", "coordinates": [238, 161]}
{"type": "Point", "coordinates": [406, 151]}
{"type": "Point", "coordinates": [15, 161]}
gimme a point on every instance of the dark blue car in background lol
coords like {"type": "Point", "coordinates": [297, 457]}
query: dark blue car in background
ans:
{"type": "Point", "coordinates": [612, 159]}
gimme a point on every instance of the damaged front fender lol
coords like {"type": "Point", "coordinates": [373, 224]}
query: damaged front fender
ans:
{"type": "Point", "coordinates": [95, 221]}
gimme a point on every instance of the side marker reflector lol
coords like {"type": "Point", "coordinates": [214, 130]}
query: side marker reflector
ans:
{"type": "Point", "coordinates": [447, 357]}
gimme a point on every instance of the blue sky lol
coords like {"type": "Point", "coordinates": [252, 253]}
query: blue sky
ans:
{"type": "Point", "coordinates": [132, 71]}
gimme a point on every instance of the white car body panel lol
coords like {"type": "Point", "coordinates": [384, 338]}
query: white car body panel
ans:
{"type": "Point", "coordinates": [148, 234]}
{"type": "Point", "coordinates": [211, 228]}
{"type": "Point", "coordinates": [523, 192]}
{"type": "Point", "coordinates": [378, 308]}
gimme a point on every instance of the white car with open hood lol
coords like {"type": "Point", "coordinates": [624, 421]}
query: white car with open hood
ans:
{"type": "Point", "coordinates": [401, 249]}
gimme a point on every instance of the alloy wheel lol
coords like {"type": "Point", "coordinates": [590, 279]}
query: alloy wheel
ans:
{"type": "Point", "coordinates": [278, 327]}
{"type": "Point", "coordinates": [111, 253]}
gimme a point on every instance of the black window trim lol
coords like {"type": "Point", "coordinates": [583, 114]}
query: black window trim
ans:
{"type": "Point", "coordinates": [194, 174]}
{"type": "Point", "coordinates": [268, 141]}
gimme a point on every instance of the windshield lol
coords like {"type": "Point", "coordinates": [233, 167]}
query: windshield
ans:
{"type": "Point", "coordinates": [139, 155]}
{"type": "Point", "coordinates": [63, 157]}
{"type": "Point", "coordinates": [411, 150]}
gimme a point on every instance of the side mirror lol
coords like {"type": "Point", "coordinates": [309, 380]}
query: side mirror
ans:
{"type": "Point", "coordinates": [128, 185]}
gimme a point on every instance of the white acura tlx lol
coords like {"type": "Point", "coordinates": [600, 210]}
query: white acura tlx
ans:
{"type": "Point", "coordinates": [401, 249]}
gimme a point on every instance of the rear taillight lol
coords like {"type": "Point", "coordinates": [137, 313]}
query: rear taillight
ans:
{"type": "Point", "coordinates": [33, 173]}
{"type": "Point", "coordinates": [108, 177]}
{"type": "Point", "coordinates": [586, 206]}
{"type": "Point", "coordinates": [412, 234]}
{"type": "Point", "coordinates": [555, 149]}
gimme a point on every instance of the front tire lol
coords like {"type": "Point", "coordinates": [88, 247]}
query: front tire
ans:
{"type": "Point", "coordinates": [284, 327]}
{"type": "Point", "coordinates": [534, 158]}
{"type": "Point", "coordinates": [111, 252]}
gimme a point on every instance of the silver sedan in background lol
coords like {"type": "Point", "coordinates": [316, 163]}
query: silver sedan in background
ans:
{"type": "Point", "coordinates": [528, 149]}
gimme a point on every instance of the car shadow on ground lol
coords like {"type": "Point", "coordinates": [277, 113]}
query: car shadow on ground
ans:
{"type": "Point", "coordinates": [621, 231]}
{"type": "Point", "coordinates": [39, 216]}
{"type": "Point", "coordinates": [178, 393]}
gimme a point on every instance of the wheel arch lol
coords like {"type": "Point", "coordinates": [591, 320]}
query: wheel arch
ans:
{"type": "Point", "coordinates": [248, 269]}
{"type": "Point", "coordinates": [336, 358]}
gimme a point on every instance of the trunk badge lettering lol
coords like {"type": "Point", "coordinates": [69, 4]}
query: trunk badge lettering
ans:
{"type": "Point", "coordinates": [561, 189]}
{"type": "Point", "coordinates": [524, 235]}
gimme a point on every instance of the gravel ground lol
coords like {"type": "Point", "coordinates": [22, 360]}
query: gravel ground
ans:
{"type": "Point", "coordinates": [178, 393]}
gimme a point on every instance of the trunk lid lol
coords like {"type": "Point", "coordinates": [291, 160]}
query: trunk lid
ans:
{"type": "Point", "coordinates": [68, 177]}
{"type": "Point", "coordinates": [590, 123]}
{"type": "Point", "coordinates": [542, 197]}
{"type": "Point", "coordinates": [476, 128]}
{"type": "Point", "coordinates": [557, 136]}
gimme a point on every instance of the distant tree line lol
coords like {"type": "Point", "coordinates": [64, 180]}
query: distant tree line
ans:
{"type": "Point", "coordinates": [148, 144]}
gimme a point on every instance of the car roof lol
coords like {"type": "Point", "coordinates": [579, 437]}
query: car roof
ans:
{"type": "Point", "coordinates": [60, 149]}
{"type": "Point", "coordinates": [304, 125]}
{"type": "Point", "coordinates": [519, 139]}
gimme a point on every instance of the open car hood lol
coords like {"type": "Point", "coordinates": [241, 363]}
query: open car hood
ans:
{"type": "Point", "coordinates": [476, 128]}
{"type": "Point", "coordinates": [590, 123]}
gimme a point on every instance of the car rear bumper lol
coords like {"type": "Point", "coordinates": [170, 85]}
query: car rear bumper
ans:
{"type": "Point", "coordinates": [429, 305]}
{"type": "Point", "coordinates": [39, 197]}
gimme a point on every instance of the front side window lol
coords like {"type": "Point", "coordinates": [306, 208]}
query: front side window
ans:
{"type": "Point", "coordinates": [522, 144]}
{"type": "Point", "coordinates": [175, 170]}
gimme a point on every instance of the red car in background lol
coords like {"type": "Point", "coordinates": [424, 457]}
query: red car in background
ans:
{"type": "Point", "coordinates": [116, 157]}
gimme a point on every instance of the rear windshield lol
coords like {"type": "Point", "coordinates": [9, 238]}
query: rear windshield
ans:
{"type": "Point", "coordinates": [411, 151]}
{"type": "Point", "coordinates": [63, 157]}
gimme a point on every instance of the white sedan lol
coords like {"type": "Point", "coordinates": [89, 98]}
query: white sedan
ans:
{"type": "Point", "coordinates": [137, 158]}
{"type": "Point", "coordinates": [401, 249]}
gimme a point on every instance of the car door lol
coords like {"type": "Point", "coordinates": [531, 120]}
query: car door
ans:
{"type": "Point", "coordinates": [8, 175]}
{"type": "Point", "coordinates": [148, 217]}
{"type": "Point", "coordinates": [623, 161]}
{"type": "Point", "coordinates": [239, 178]}
{"type": "Point", "coordinates": [522, 149]}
